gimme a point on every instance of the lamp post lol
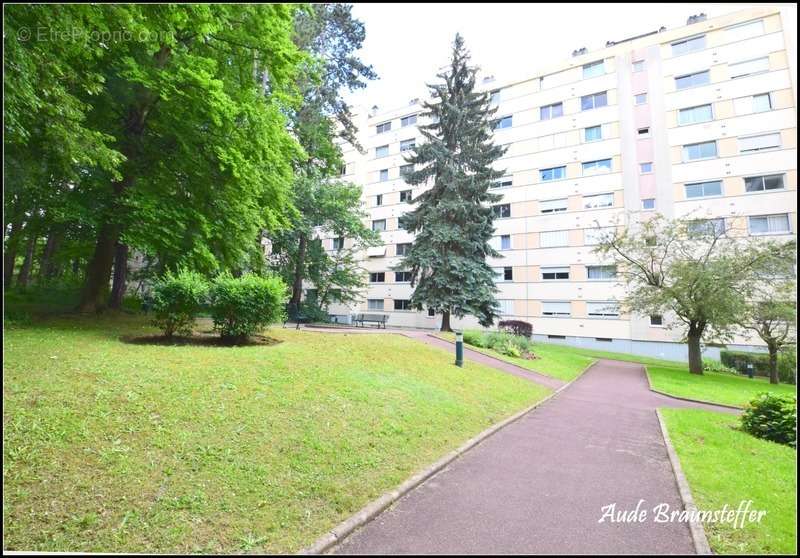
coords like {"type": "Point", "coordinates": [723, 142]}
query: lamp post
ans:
{"type": "Point", "coordinates": [459, 348]}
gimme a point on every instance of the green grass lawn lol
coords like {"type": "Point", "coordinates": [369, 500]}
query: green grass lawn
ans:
{"type": "Point", "coordinates": [726, 466]}
{"type": "Point", "coordinates": [566, 363]}
{"type": "Point", "coordinates": [120, 447]}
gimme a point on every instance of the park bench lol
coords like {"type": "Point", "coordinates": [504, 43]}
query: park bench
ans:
{"type": "Point", "coordinates": [379, 319]}
{"type": "Point", "coordinates": [293, 315]}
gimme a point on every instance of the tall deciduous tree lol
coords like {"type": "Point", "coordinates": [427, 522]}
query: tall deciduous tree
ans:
{"type": "Point", "coordinates": [324, 206]}
{"type": "Point", "coordinates": [771, 312]}
{"type": "Point", "coordinates": [453, 220]}
{"type": "Point", "coordinates": [693, 269]}
{"type": "Point", "coordinates": [331, 36]}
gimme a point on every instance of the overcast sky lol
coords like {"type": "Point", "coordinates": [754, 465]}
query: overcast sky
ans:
{"type": "Point", "coordinates": [407, 43]}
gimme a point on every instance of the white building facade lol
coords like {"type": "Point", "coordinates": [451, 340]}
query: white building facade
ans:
{"type": "Point", "coordinates": [699, 119]}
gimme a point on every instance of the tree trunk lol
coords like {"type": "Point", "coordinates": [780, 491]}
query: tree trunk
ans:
{"type": "Point", "coordinates": [10, 256]}
{"type": "Point", "coordinates": [25, 271]}
{"type": "Point", "coordinates": [99, 269]}
{"type": "Point", "coordinates": [446, 321]}
{"type": "Point", "coordinates": [773, 364]}
{"type": "Point", "coordinates": [297, 284]}
{"type": "Point", "coordinates": [120, 276]}
{"type": "Point", "coordinates": [46, 266]}
{"type": "Point", "coordinates": [695, 353]}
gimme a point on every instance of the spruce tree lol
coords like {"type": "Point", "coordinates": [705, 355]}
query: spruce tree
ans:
{"type": "Point", "coordinates": [453, 220]}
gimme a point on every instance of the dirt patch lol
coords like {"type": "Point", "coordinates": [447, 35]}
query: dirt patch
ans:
{"type": "Point", "coordinates": [203, 339]}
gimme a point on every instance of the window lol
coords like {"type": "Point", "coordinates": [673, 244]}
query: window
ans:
{"type": "Point", "coordinates": [379, 225]}
{"type": "Point", "coordinates": [594, 236]}
{"type": "Point", "coordinates": [598, 200]}
{"type": "Point", "coordinates": [553, 206]}
{"type": "Point", "coordinates": [643, 132]}
{"type": "Point", "coordinates": [759, 143]}
{"type": "Point", "coordinates": [745, 30]}
{"type": "Point", "coordinates": [640, 99]}
{"type": "Point", "coordinates": [504, 182]}
{"type": "Point", "coordinates": [707, 226]}
{"type": "Point", "coordinates": [638, 66]}
{"type": "Point", "coordinates": [597, 167]}
{"type": "Point", "coordinates": [408, 120]}
{"type": "Point", "coordinates": [555, 173]}
{"type": "Point", "coordinates": [405, 196]}
{"type": "Point", "coordinates": [595, 100]}
{"type": "Point", "coordinates": [695, 115]}
{"type": "Point", "coordinates": [338, 243]}
{"type": "Point", "coordinates": [375, 304]}
{"type": "Point", "coordinates": [749, 67]}
{"type": "Point", "coordinates": [604, 339]}
{"type": "Point", "coordinates": [593, 69]}
{"type": "Point", "coordinates": [763, 183]}
{"type": "Point", "coordinates": [594, 133]}
{"type": "Point", "coordinates": [343, 170]}
{"type": "Point", "coordinates": [555, 309]}
{"type": "Point", "coordinates": [551, 111]}
{"type": "Point", "coordinates": [402, 249]}
{"type": "Point", "coordinates": [431, 312]}
{"type": "Point", "coordinates": [556, 336]}
{"type": "Point", "coordinates": [601, 272]}
{"type": "Point", "coordinates": [703, 189]}
{"type": "Point", "coordinates": [385, 127]}
{"type": "Point", "coordinates": [379, 199]}
{"type": "Point", "coordinates": [645, 168]}
{"type": "Point", "coordinates": [695, 151]}
{"type": "Point", "coordinates": [381, 151]}
{"type": "Point", "coordinates": [504, 122]}
{"type": "Point", "coordinates": [502, 210]}
{"type": "Point", "coordinates": [405, 170]}
{"type": "Point", "coordinates": [402, 276]}
{"type": "Point", "coordinates": [762, 102]}
{"type": "Point", "coordinates": [384, 175]}
{"type": "Point", "coordinates": [552, 239]}
{"type": "Point", "coordinates": [504, 273]}
{"type": "Point", "coordinates": [377, 277]}
{"type": "Point", "coordinates": [402, 304]}
{"type": "Point", "coordinates": [494, 97]}
{"type": "Point", "coordinates": [506, 307]}
{"type": "Point", "coordinates": [407, 145]}
{"type": "Point", "coordinates": [648, 204]}
{"type": "Point", "coordinates": [656, 320]}
{"type": "Point", "coordinates": [688, 45]}
{"type": "Point", "coordinates": [769, 224]}
{"type": "Point", "coordinates": [555, 273]}
{"type": "Point", "coordinates": [505, 242]}
{"type": "Point", "coordinates": [608, 309]}
{"type": "Point", "coordinates": [693, 80]}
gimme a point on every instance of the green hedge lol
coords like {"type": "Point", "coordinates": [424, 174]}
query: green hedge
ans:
{"type": "Point", "coordinates": [242, 306]}
{"type": "Point", "coordinates": [787, 363]}
{"type": "Point", "coordinates": [772, 418]}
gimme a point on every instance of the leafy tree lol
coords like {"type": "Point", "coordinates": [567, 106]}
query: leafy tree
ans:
{"type": "Point", "coordinates": [453, 220]}
{"type": "Point", "coordinates": [330, 35]}
{"type": "Point", "coordinates": [324, 206]}
{"type": "Point", "coordinates": [771, 312]}
{"type": "Point", "coordinates": [693, 269]}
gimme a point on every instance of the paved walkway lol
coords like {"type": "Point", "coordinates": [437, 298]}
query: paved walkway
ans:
{"type": "Point", "coordinates": [538, 485]}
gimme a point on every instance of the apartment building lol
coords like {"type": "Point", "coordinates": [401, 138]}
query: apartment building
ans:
{"type": "Point", "coordinates": [694, 120]}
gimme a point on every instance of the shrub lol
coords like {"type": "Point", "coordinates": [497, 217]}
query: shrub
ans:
{"type": "Point", "coordinates": [787, 363]}
{"type": "Point", "coordinates": [242, 306]}
{"type": "Point", "coordinates": [311, 310]}
{"type": "Point", "coordinates": [517, 327]}
{"type": "Point", "coordinates": [772, 418]}
{"type": "Point", "coordinates": [177, 299]}
{"type": "Point", "coordinates": [711, 365]}
{"type": "Point", "coordinates": [475, 338]}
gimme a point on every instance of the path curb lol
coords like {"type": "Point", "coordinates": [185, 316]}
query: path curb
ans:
{"type": "Point", "coordinates": [690, 400]}
{"type": "Point", "coordinates": [330, 539]}
{"type": "Point", "coordinates": [696, 529]}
